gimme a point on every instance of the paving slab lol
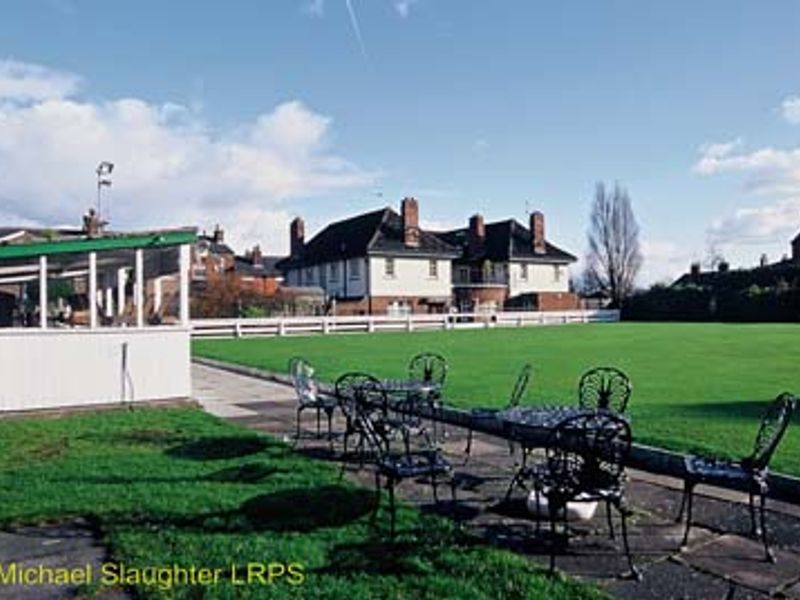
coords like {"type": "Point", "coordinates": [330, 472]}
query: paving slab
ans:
{"type": "Point", "coordinates": [671, 579]}
{"type": "Point", "coordinates": [55, 546]}
{"type": "Point", "coordinates": [742, 560]}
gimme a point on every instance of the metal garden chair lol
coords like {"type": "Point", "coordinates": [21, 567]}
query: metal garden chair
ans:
{"type": "Point", "coordinates": [750, 474]}
{"type": "Point", "coordinates": [585, 462]}
{"type": "Point", "coordinates": [357, 393]}
{"type": "Point", "coordinates": [517, 393]}
{"type": "Point", "coordinates": [306, 386]}
{"type": "Point", "coordinates": [604, 388]}
{"type": "Point", "coordinates": [395, 465]}
{"type": "Point", "coordinates": [429, 367]}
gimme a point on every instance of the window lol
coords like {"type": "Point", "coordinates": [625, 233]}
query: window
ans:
{"type": "Point", "coordinates": [388, 267]}
{"type": "Point", "coordinates": [463, 274]}
{"type": "Point", "coordinates": [355, 268]}
{"type": "Point", "coordinates": [309, 275]}
{"type": "Point", "coordinates": [433, 269]}
{"type": "Point", "coordinates": [557, 273]}
{"type": "Point", "coordinates": [523, 272]}
{"type": "Point", "coordinates": [333, 271]}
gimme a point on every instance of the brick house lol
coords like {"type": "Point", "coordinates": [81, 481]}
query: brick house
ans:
{"type": "Point", "coordinates": [506, 265]}
{"type": "Point", "coordinates": [374, 263]}
{"type": "Point", "coordinates": [258, 273]}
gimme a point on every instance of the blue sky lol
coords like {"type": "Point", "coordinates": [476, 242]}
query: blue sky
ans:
{"type": "Point", "coordinates": [247, 113]}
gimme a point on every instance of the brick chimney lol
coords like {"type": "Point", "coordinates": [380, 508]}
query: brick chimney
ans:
{"type": "Point", "coordinates": [477, 235]}
{"type": "Point", "coordinates": [537, 232]}
{"type": "Point", "coordinates": [409, 209]}
{"type": "Point", "coordinates": [796, 250]}
{"type": "Point", "coordinates": [694, 269]}
{"type": "Point", "coordinates": [219, 234]}
{"type": "Point", "coordinates": [255, 255]}
{"type": "Point", "coordinates": [297, 233]}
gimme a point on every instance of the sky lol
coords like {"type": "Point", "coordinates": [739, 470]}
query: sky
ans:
{"type": "Point", "coordinates": [248, 113]}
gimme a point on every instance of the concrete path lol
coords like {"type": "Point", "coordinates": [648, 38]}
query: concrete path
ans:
{"type": "Point", "coordinates": [721, 561]}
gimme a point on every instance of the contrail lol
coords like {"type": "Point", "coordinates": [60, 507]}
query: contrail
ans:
{"type": "Point", "coordinates": [356, 29]}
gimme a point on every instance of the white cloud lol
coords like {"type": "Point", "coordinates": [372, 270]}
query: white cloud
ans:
{"type": "Point", "coordinates": [403, 7]}
{"type": "Point", "coordinates": [776, 222]}
{"type": "Point", "coordinates": [769, 172]}
{"type": "Point", "coordinates": [790, 108]}
{"type": "Point", "coordinates": [664, 261]}
{"type": "Point", "coordinates": [169, 169]}
{"type": "Point", "coordinates": [25, 82]}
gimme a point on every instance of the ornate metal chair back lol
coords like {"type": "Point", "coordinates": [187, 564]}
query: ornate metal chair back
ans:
{"type": "Point", "coordinates": [588, 452]}
{"type": "Point", "coordinates": [359, 393]}
{"type": "Point", "coordinates": [428, 367]}
{"type": "Point", "coordinates": [773, 426]}
{"type": "Point", "coordinates": [604, 388]}
{"type": "Point", "coordinates": [520, 385]}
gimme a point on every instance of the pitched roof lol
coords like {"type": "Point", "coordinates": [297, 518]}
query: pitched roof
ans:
{"type": "Point", "coordinates": [507, 240]}
{"type": "Point", "coordinates": [214, 247]}
{"type": "Point", "coordinates": [377, 232]}
{"type": "Point", "coordinates": [264, 268]}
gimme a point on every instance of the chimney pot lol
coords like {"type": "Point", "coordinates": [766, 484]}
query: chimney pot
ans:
{"type": "Point", "coordinates": [409, 210]}
{"type": "Point", "coordinates": [694, 269]}
{"type": "Point", "coordinates": [537, 232]}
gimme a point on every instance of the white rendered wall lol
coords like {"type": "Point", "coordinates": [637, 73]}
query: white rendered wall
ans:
{"type": "Point", "coordinates": [411, 278]}
{"type": "Point", "coordinates": [58, 368]}
{"type": "Point", "coordinates": [541, 278]}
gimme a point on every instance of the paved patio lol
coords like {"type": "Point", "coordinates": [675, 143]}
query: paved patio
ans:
{"type": "Point", "coordinates": [721, 561]}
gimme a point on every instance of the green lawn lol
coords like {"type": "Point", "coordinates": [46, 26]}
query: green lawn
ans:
{"type": "Point", "coordinates": [177, 486]}
{"type": "Point", "coordinates": [696, 386]}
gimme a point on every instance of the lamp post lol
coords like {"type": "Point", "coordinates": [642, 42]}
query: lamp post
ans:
{"type": "Point", "coordinates": [104, 170]}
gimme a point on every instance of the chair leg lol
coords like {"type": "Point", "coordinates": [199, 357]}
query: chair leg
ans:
{"type": "Point", "coordinates": [297, 423]}
{"type": "Point", "coordinates": [392, 516]}
{"type": "Point", "coordinates": [610, 520]}
{"type": "Point", "coordinates": [754, 530]}
{"type": "Point", "coordinates": [377, 497]}
{"type": "Point", "coordinates": [689, 493]}
{"type": "Point", "coordinates": [435, 485]}
{"type": "Point", "coordinates": [679, 518]}
{"type": "Point", "coordinates": [538, 499]}
{"type": "Point", "coordinates": [623, 511]}
{"type": "Point", "coordinates": [552, 509]}
{"type": "Point", "coordinates": [329, 414]}
{"type": "Point", "coordinates": [319, 429]}
{"type": "Point", "coordinates": [769, 556]}
{"type": "Point", "coordinates": [468, 449]}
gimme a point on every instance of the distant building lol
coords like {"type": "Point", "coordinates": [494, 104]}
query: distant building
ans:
{"type": "Point", "coordinates": [377, 262]}
{"type": "Point", "coordinates": [258, 273]}
{"type": "Point", "coordinates": [506, 265]}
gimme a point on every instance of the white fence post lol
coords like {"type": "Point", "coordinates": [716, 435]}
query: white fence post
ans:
{"type": "Point", "coordinates": [237, 329]}
{"type": "Point", "coordinates": [326, 327]}
{"type": "Point", "coordinates": [409, 323]}
{"type": "Point", "coordinates": [282, 327]}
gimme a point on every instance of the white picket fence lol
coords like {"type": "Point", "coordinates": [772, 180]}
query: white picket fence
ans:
{"type": "Point", "coordinates": [374, 323]}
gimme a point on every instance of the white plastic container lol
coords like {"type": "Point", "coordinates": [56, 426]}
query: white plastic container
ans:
{"type": "Point", "coordinates": [577, 510]}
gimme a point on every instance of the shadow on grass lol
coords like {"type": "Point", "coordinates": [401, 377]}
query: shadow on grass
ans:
{"type": "Point", "coordinates": [299, 510]}
{"type": "Point", "coordinates": [304, 509]}
{"type": "Point", "coordinates": [741, 410]}
{"type": "Point", "coordinates": [248, 473]}
{"type": "Point", "coordinates": [380, 555]}
{"type": "Point", "coordinates": [224, 448]}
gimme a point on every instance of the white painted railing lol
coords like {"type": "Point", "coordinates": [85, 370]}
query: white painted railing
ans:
{"type": "Point", "coordinates": [373, 323]}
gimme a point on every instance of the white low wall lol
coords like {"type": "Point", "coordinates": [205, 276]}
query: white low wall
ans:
{"type": "Point", "coordinates": [70, 367]}
{"type": "Point", "coordinates": [373, 323]}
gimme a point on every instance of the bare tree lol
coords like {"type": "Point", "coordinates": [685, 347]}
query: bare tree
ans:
{"type": "Point", "coordinates": [614, 258]}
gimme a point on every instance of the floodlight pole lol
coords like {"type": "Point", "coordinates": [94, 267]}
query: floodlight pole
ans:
{"type": "Point", "coordinates": [104, 170]}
